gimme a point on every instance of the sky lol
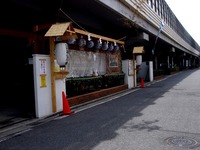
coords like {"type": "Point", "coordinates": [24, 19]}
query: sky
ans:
{"type": "Point", "coordinates": [187, 12]}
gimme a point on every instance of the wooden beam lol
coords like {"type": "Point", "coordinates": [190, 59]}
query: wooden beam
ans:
{"type": "Point", "coordinates": [14, 33]}
{"type": "Point", "coordinates": [41, 27]}
{"type": "Point", "coordinates": [20, 34]}
{"type": "Point", "coordinates": [98, 36]}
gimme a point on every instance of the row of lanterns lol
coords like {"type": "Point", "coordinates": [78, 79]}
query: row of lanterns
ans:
{"type": "Point", "coordinates": [98, 45]}
{"type": "Point", "coordinates": [62, 48]}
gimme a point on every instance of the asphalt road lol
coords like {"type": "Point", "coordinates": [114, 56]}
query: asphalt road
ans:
{"type": "Point", "coordinates": [165, 115]}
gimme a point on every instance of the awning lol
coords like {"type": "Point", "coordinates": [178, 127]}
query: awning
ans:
{"type": "Point", "coordinates": [59, 29]}
{"type": "Point", "coordinates": [139, 49]}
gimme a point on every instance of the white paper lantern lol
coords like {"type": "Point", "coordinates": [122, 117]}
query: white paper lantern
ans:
{"type": "Point", "coordinates": [139, 59]}
{"type": "Point", "coordinates": [61, 50]}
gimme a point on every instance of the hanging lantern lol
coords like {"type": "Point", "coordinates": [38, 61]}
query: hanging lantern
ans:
{"type": "Point", "coordinates": [105, 46]}
{"type": "Point", "coordinates": [81, 42]}
{"type": "Point", "coordinates": [139, 60]}
{"type": "Point", "coordinates": [110, 47]}
{"type": "Point", "coordinates": [61, 53]}
{"type": "Point", "coordinates": [71, 40]}
{"type": "Point", "coordinates": [116, 47]}
{"type": "Point", "coordinates": [90, 43]}
{"type": "Point", "coordinates": [98, 45]}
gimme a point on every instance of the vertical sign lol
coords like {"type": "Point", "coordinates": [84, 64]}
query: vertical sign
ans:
{"type": "Point", "coordinates": [43, 81]}
{"type": "Point", "coordinates": [130, 68]}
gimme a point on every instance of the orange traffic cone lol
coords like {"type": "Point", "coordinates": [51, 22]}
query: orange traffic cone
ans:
{"type": "Point", "coordinates": [142, 83]}
{"type": "Point", "coordinates": [66, 108]}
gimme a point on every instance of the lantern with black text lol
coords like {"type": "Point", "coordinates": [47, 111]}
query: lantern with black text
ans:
{"type": "Point", "coordinates": [61, 50]}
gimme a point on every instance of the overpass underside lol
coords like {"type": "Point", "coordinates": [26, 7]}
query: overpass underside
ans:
{"type": "Point", "coordinates": [147, 27]}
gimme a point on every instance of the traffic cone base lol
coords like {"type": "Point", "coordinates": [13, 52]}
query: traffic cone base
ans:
{"type": "Point", "coordinates": [142, 83]}
{"type": "Point", "coordinates": [66, 108]}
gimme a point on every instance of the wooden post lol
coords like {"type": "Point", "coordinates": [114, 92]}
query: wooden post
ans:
{"type": "Point", "coordinates": [136, 50]}
{"type": "Point", "coordinates": [134, 72]}
{"type": "Point", "coordinates": [53, 87]}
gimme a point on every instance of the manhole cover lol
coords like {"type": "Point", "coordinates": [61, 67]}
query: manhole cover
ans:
{"type": "Point", "coordinates": [183, 142]}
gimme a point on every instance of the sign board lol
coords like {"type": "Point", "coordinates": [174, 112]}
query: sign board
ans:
{"type": "Point", "coordinates": [139, 49]}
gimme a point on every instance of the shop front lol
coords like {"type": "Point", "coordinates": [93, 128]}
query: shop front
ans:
{"type": "Point", "coordinates": [84, 65]}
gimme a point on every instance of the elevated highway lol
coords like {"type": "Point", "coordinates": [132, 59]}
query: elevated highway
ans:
{"type": "Point", "coordinates": [148, 16]}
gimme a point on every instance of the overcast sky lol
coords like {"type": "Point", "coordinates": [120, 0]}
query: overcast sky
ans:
{"type": "Point", "coordinates": [188, 13]}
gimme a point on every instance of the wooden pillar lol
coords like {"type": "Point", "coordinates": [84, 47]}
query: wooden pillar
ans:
{"type": "Point", "coordinates": [53, 87]}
